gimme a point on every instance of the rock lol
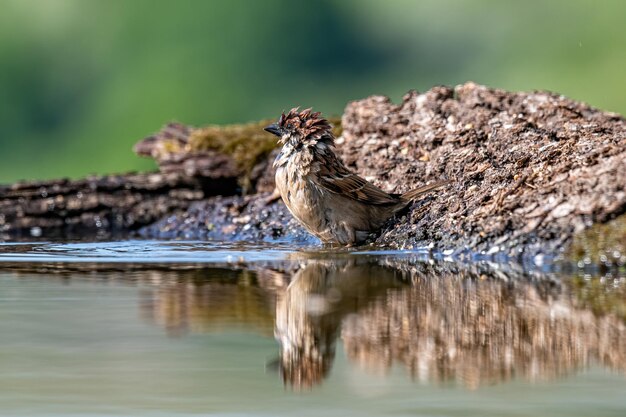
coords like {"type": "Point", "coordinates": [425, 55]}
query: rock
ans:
{"type": "Point", "coordinates": [102, 206]}
{"type": "Point", "coordinates": [236, 218]}
{"type": "Point", "coordinates": [516, 159]}
{"type": "Point", "coordinates": [214, 152]}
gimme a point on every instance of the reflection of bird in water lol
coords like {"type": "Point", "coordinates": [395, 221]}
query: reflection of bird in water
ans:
{"type": "Point", "coordinates": [309, 314]}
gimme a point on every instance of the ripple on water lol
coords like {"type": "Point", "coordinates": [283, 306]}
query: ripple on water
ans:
{"type": "Point", "coordinates": [141, 251]}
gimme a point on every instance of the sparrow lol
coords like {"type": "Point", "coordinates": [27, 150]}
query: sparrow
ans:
{"type": "Point", "coordinates": [331, 202]}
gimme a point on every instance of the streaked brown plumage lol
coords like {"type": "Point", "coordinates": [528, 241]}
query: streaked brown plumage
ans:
{"type": "Point", "coordinates": [333, 203]}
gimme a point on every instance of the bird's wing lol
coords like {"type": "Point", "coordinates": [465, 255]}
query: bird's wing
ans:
{"type": "Point", "coordinates": [337, 179]}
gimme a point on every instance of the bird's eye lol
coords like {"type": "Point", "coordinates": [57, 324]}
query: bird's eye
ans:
{"type": "Point", "coordinates": [290, 126]}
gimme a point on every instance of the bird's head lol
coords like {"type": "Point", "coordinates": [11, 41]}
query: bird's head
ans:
{"type": "Point", "coordinates": [302, 128]}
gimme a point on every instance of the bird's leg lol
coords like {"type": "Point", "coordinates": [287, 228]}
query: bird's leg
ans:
{"type": "Point", "coordinates": [351, 234]}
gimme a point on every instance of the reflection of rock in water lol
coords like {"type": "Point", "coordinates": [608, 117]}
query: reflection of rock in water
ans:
{"type": "Point", "coordinates": [451, 327]}
{"type": "Point", "coordinates": [211, 299]}
{"type": "Point", "coordinates": [443, 322]}
{"type": "Point", "coordinates": [309, 313]}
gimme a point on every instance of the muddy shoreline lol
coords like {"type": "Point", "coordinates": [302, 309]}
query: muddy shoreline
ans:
{"type": "Point", "coordinates": [530, 173]}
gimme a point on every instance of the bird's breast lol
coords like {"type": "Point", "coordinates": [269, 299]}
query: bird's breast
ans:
{"type": "Point", "coordinates": [301, 197]}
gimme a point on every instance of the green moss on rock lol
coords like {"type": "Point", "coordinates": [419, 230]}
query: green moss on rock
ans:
{"type": "Point", "coordinates": [247, 143]}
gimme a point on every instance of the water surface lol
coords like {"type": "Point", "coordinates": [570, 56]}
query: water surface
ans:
{"type": "Point", "coordinates": [190, 328]}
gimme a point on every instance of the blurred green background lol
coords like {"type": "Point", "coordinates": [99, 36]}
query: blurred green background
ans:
{"type": "Point", "coordinates": [82, 80]}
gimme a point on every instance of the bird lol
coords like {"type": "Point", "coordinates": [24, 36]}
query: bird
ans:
{"type": "Point", "coordinates": [330, 201]}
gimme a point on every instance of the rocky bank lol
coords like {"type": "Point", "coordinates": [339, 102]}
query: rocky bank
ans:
{"type": "Point", "coordinates": [530, 172]}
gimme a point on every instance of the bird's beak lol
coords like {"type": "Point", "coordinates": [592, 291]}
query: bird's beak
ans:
{"type": "Point", "coordinates": [274, 129]}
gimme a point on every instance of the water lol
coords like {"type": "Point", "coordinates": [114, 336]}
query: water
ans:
{"type": "Point", "coordinates": [191, 328]}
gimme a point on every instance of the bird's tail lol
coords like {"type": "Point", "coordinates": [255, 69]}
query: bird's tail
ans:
{"type": "Point", "coordinates": [413, 194]}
